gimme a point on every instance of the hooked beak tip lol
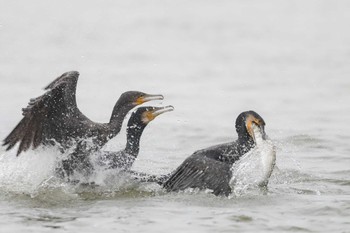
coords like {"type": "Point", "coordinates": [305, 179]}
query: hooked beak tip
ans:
{"type": "Point", "coordinates": [162, 110]}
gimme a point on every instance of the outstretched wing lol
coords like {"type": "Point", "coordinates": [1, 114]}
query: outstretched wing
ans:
{"type": "Point", "coordinates": [201, 172]}
{"type": "Point", "coordinates": [44, 117]}
{"type": "Point", "coordinates": [70, 77]}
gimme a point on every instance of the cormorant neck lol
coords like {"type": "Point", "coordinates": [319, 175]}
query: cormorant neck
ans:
{"type": "Point", "coordinates": [246, 143]}
{"type": "Point", "coordinates": [119, 112]}
{"type": "Point", "coordinates": [133, 137]}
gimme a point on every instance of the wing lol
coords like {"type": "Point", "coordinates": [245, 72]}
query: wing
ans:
{"type": "Point", "coordinates": [203, 173]}
{"type": "Point", "coordinates": [71, 77]}
{"type": "Point", "coordinates": [45, 116]}
{"type": "Point", "coordinates": [226, 152]}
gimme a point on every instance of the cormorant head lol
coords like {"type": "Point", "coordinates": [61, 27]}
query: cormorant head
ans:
{"type": "Point", "coordinates": [246, 124]}
{"type": "Point", "coordinates": [144, 115]}
{"type": "Point", "coordinates": [134, 98]}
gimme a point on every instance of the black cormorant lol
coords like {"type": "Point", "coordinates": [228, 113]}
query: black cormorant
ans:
{"type": "Point", "coordinates": [137, 123]}
{"type": "Point", "coordinates": [55, 118]}
{"type": "Point", "coordinates": [211, 168]}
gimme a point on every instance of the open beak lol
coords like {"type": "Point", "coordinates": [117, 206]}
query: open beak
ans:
{"type": "Point", "coordinates": [156, 111]}
{"type": "Point", "coordinates": [161, 110]}
{"type": "Point", "coordinates": [147, 98]}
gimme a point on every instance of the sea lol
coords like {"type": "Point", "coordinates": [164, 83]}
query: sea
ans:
{"type": "Point", "coordinates": [287, 60]}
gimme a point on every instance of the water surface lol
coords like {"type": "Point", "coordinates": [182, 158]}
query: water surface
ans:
{"type": "Point", "coordinates": [287, 60]}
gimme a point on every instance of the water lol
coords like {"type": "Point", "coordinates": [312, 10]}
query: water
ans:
{"type": "Point", "coordinates": [287, 60]}
{"type": "Point", "coordinates": [254, 169]}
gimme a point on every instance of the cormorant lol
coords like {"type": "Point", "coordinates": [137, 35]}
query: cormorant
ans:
{"type": "Point", "coordinates": [138, 121]}
{"type": "Point", "coordinates": [55, 118]}
{"type": "Point", "coordinates": [211, 168]}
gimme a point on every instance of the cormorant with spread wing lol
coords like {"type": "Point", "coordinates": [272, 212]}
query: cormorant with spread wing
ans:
{"type": "Point", "coordinates": [55, 118]}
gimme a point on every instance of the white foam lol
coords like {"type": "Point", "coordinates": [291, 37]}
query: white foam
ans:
{"type": "Point", "coordinates": [33, 173]}
{"type": "Point", "coordinates": [25, 173]}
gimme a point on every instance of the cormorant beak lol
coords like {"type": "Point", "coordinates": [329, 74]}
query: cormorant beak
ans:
{"type": "Point", "coordinates": [161, 110]}
{"type": "Point", "coordinates": [156, 111]}
{"type": "Point", "coordinates": [147, 98]}
{"type": "Point", "coordinates": [255, 128]}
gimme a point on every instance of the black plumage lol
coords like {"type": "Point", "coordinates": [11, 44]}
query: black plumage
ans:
{"type": "Point", "coordinates": [211, 168]}
{"type": "Point", "coordinates": [55, 118]}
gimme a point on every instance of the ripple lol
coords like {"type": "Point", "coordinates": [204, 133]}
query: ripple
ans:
{"type": "Point", "coordinates": [295, 229]}
{"type": "Point", "coordinates": [303, 139]}
{"type": "Point", "coordinates": [307, 141]}
{"type": "Point", "coordinates": [241, 218]}
{"type": "Point", "coordinates": [49, 218]}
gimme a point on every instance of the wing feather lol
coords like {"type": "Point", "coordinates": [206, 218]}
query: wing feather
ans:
{"type": "Point", "coordinates": [203, 173]}
{"type": "Point", "coordinates": [38, 136]}
{"type": "Point", "coordinates": [26, 140]}
{"type": "Point", "coordinates": [71, 76]}
{"type": "Point", "coordinates": [45, 115]}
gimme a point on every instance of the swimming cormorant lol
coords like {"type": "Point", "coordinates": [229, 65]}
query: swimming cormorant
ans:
{"type": "Point", "coordinates": [211, 168]}
{"type": "Point", "coordinates": [55, 118]}
{"type": "Point", "coordinates": [137, 123]}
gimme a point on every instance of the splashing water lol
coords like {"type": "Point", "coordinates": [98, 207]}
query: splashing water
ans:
{"type": "Point", "coordinates": [254, 169]}
{"type": "Point", "coordinates": [33, 174]}
{"type": "Point", "coordinates": [25, 173]}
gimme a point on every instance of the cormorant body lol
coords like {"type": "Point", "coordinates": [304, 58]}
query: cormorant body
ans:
{"type": "Point", "coordinates": [54, 118]}
{"type": "Point", "coordinates": [211, 168]}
